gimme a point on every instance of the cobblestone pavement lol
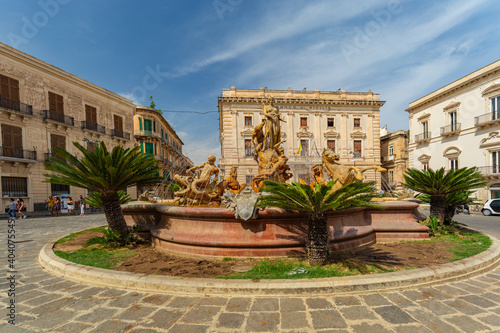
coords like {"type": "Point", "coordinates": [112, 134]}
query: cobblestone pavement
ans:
{"type": "Point", "coordinates": [45, 303]}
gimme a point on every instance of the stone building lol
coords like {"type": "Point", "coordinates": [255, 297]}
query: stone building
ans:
{"type": "Point", "coordinates": [155, 136]}
{"type": "Point", "coordinates": [42, 107]}
{"type": "Point", "coordinates": [458, 126]}
{"type": "Point", "coordinates": [394, 158]}
{"type": "Point", "coordinates": [346, 122]}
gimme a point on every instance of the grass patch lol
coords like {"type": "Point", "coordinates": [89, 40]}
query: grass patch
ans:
{"type": "Point", "coordinates": [101, 258]}
{"type": "Point", "coordinates": [72, 236]}
{"type": "Point", "coordinates": [300, 269]}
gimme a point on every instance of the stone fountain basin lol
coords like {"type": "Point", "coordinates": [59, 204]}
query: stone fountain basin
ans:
{"type": "Point", "coordinates": [275, 233]}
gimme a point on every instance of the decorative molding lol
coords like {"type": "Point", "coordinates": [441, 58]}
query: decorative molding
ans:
{"type": "Point", "coordinates": [424, 116]}
{"type": "Point", "coordinates": [492, 89]}
{"type": "Point", "coordinates": [452, 105]}
{"type": "Point", "coordinates": [358, 135]}
{"type": "Point", "coordinates": [424, 158]}
{"type": "Point", "coordinates": [329, 134]}
{"type": "Point", "coordinates": [452, 152]}
{"type": "Point", "coordinates": [304, 133]}
{"type": "Point", "coordinates": [492, 135]}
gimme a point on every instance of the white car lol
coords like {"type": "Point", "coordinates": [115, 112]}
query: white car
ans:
{"type": "Point", "coordinates": [491, 207]}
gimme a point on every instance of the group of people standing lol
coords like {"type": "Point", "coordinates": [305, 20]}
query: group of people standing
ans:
{"type": "Point", "coordinates": [54, 205]}
{"type": "Point", "coordinates": [16, 207]}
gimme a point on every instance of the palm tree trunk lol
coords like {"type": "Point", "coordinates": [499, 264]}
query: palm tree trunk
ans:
{"type": "Point", "coordinates": [317, 242]}
{"type": "Point", "coordinates": [113, 212]}
{"type": "Point", "coordinates": [438, 207]}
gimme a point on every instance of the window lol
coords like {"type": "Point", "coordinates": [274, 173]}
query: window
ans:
{"type": "Point", "coordinates": [495, 108]}
{"type": "Point", "coordinates": [391, 150]}
{"type": "Point", "coordinates": [357, 148]}
{"type": "Point", "coordinates": [495, 162]}
{"type": "Point", "coordinates": [91, 146]}
{"type": "Point", "coordinates": [9, 93]}
{"type": "Point", "coordinates": [90, 117]}
{"type": "Point", "coordinates": [149, 148]}
{"type": "Point", "coordinates": [357, 122]}
{"type": "Point", "coordinates": [58, 189]}
{"type": "Point", "coordinates": [57, 141]}
{"type": "Point", "coordinates": [118, 122]}
{"type": "Point", "coordinates": [14, 187]}
{"type": "Point", "coordinates": [303, 121]}
{"type": "Point", "coordinates": [304, 148]}
{"type": "Point", "coordinates": [248, 121]}
{"type": "Point", "coordinates": [148, 125]}
{"type": "Point", "coordinates": [12, 141]}
{"type": "Point", "coordinates": [56, 103]}
{"type": "Point", "coordinates": [330, 122]}
{"type": "Point", "coordinates": [248, 147]}
{"type": "Point", "coordinates": [390, 177]}
{"type": "Point", "coordinates": [331, 145]}
{"type": "Point", "coordinates": [425, 165]}
{"type": "Point", "coordinates": [425, 130]}
{"type": "Point", "coordinates": [248, 179]}
{"type": "Point", "coordinates": [453, 163]}
{"type": "Point", "coordinates": [453, 121]}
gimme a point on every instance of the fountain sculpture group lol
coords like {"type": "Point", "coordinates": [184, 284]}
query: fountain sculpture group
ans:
{"type": "Point", "coordinates": [195, 223]}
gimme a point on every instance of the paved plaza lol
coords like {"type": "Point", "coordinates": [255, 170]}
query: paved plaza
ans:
{"type": "Point", "coordinates": [46, 303]}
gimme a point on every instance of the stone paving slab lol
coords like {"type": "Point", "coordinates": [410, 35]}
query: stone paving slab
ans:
{"type": "Point", "coordinates": [48, 303]}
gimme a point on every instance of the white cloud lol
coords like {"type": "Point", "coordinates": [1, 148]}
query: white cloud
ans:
{"type": "Point", "coordinates": [130, 96]}
{"type": "Point", "coordinates": [199, 150]}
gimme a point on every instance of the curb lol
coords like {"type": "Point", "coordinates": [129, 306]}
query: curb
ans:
{"type": "Point", "coordinates": [458, 270]}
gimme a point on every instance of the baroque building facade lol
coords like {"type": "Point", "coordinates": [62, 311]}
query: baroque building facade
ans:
{"type": "Point", "coordinates": [394, 158]}
{"type": "Point", "coordinates": [347, 123]}
{"type": "Point", "coordinates": [458, 126]}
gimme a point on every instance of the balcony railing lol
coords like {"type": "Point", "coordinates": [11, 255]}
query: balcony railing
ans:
{"type": "Point", "coordinates": [120, 134]}
{"type": "Point", "coordinates": [423, 137]}
{"type": "Point", "coordinates": [488, 118]}
{"type": "Point", "coordinates": [389, 158]}
{"type": "Point", "coordinates": [147, 133]}
{"type": "Point", "coordinates": [18, 153]}
{"type": "Point", "coordinates": [93, 127]}
{"type": "Point", "coordinates": [451, 129]}
{"type": "Point", "coordinates": [59, 117]}
{"type": "Point", "coordinates": [489, 170]}
{"type": "Point", "coordinates": [16, 106]}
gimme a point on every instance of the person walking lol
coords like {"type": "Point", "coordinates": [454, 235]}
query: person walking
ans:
{"type": "Point", "coordinates": [20, 207]}
{"type": "Point", "coordinates": [71, 206]}
{"type": "Point", "coordinates": [57, 206]}
{"type": "Point", "coordinates": [12, 208]}
{"type": "Point", "coordinates": [82, 205]}
{"type": "Point", "coordinates": [50, 205]}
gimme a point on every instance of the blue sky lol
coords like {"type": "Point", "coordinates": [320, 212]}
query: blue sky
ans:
{"type": "Point", "coordinates": [185, 52]}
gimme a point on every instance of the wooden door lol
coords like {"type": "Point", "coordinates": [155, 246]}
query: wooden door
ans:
{"type": "Point", "coordinates": [118, 123]}
{"type": "Point", "coordinates": [56, 103]}
{"type": "Point", "coordinates": [12, 141]}
{"type": "Point", "coordinates": [57, 141]}
{"type": "Point", "coordinates": [9, 93]}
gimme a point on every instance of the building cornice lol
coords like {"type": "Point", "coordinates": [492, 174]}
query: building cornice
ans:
{"type": "Point", "coordinates": [284, 101]}
{"type": "Point", "coordinates": [14, 54]}
{"type": "Point", "coordinates": [463, 82]}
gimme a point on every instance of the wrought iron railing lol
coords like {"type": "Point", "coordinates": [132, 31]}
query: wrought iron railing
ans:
{"type": "Point", "coordinates": [389, 158]}
{"type": "Point", "coordinates": [18, 153]}
{"type": "Point", "coordinates": [451, 128]}
{"type": "Point", "coordinates": [487, 118]}
{"type": "Point", "coordinates": [16, 106]}
{"type": "Point", "coordinates": [422, 137]}
{"type": "Point", "coordinates": [59, 117]}
{"type": "Point", "coordinates": [489, 170]}
{"type": "Point", "coordinates": [93, 127]}
{"type": "Point", "coordinates": [120, 134]}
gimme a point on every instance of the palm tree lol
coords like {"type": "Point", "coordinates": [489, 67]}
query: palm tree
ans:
{"type": "Point", "coordinates": [437, 184]}
{"type": "Point", "coordinates": [452, 201]}
{"type": "Point", "coordinates": [316, 201]}
{"type": "Point", "coordinates": [104, 172]}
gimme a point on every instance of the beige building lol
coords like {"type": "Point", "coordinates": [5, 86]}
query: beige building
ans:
{"type": "Point", "coordinates": [394, 158]}
{"type": "Point", "coordinates": [42, 107]}
{"type": "Point", "coordinates": [346, 122]}
{"type": "Point", "coordinates": [155, 136]}
{"type": "Point", "coordinates": [458, 126]}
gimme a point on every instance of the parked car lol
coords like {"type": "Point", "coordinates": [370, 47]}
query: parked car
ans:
{"type": "Point", "coordinates": [491, 207]}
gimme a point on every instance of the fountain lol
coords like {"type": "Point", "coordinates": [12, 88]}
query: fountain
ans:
{"type": "Point", "coordinates": [196, 223]}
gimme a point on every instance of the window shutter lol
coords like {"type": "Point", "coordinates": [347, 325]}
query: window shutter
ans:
{"type": "Point", "coordinates": [154, 126]}
{"type": "Point", "coordinates": [140, 124]}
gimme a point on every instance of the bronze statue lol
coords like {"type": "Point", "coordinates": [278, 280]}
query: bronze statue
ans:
{"type": "Point", "coordinates": [272, 132]}
{"type": "Point", "coordinates": [231, 183]}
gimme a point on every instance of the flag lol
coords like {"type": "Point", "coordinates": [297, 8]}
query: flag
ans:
{"type": "Point", "coordinates": [300, 149]}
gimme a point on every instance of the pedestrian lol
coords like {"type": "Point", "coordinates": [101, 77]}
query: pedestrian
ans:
{"type": "Point", "coordinates": [82, 205]}
{"type": "Point", "coordinates": [20, 207]}
{"type": "Point", "coordinates": [12, 208]}
{"type": "Point", "coordinates": [71, 206]}
{"type": "Point", "coordinates": [57, 206]}
{"type": "Point", "coordinates": [50, 205]}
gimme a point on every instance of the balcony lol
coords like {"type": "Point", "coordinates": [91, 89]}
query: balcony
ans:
{"type": "Point", "coordinates": [93, 127]}
{"type": "Point", "coordinates": [489, 171]}
{"type": "Point", "coordinates": [58, 117]}
{"type": "Point", "coordinates": [452, 129]}
{"type": "Point", "coordinates": [389, 158]}
{"type": "Point", "coordinates": [487, 119]}
{"type": "Point", "coordinates": [16, 106]}
{"type": "Point", "coordinates": [148, 134]}
{"type": "Point", "coordinates": [120, 134]}
{"type": "Point", "coordinates": [17, 153]}
{"type": "Point", "coordinates": [423, 137]}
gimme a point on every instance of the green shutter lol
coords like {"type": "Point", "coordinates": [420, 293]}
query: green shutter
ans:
{"type": "Point", "coordinates": [154, 126]}
{"type": "Point", "coordinates": [162, 133]}
{"type": "Point", "coordinates": [142, 147]}
{"type": "Point", "coordinates": [140, 124]}
{"type": "Point", "coordinates": [155, 149]}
